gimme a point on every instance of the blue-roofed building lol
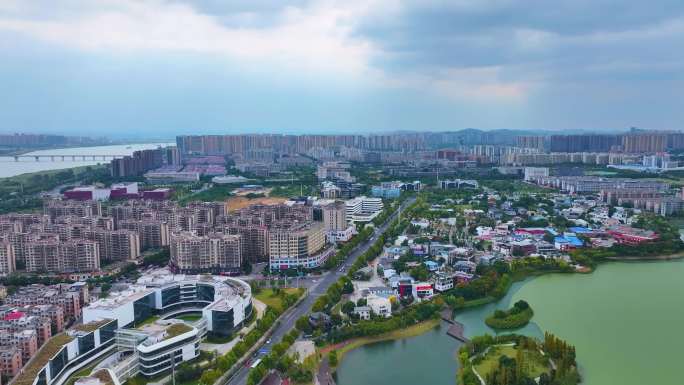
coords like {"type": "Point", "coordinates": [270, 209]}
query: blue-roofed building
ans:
{"type": "Point", "coordinates": [567, 241]}
{"type": "Point", "coordinates": [584, 230]}
{"type": "Point", "coordinates": [552, 231]}
{"type": "Point", "coordinates": [431, 265]}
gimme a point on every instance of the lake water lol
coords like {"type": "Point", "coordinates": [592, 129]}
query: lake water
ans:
{"type": "Point", "coordinates": [10, 167]}
{"type": "Point", "coordinates": [625, 320]}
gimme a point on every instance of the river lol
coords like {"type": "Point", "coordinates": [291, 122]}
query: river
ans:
{"type": "Point", "coordinates": [625, 320]}
{"type": "Point", "coordinates": [10, 167]}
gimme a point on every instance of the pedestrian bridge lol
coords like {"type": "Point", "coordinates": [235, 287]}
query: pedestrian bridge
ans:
{"type": "Point", "coordinates": [456, 328]}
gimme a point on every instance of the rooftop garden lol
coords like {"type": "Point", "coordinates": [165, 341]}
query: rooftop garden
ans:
{"type": "Point", "coordinates": [177, 329]}
{"type": "Point", "coordinates": [46, 352]}
{"type": "Point", "coordinates": [104, 377]}
{"type": "Point", "coordinates": [91, 326]}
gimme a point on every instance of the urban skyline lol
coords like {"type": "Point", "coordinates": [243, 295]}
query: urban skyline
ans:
{"type": "Point", "coordinates": [322, 66]}
{"type": "Point", "coordinates": [298, 192]}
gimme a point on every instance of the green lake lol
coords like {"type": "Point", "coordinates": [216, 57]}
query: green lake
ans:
{"type": "Point", "coordinates": [625, 320]}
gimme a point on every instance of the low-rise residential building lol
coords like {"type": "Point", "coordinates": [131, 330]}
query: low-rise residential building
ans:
{"type": "Point", "coordinates": [364, 312]}
{"type": "Point", "coordinates": [422, 290]}
{"type": "Point", "coordinates": [443, 282]}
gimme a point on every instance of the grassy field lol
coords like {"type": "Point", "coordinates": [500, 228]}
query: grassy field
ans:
{"type": "Point", "coordinates": [215, 193]}
{"type": "Point", "coordinates": [268, 297]}
{"type": "Point", "coordinates": [148, 321]}
{"type": "Point", "coordinates": [192, 317]}
{"type": "Point", "coordinates": [491, 361]}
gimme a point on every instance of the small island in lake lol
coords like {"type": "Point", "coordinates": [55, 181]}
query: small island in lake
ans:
{"type": "Point", "coordinates": [516, 317]}
{"type": "Point", "coordinates": [518, 360]}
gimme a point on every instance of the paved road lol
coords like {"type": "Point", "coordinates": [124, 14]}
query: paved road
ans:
{"type": "Point", "coordinates": [288, 319]}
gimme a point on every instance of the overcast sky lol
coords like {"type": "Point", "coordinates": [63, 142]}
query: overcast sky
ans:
{"type": "Point", "coordinates": [160, 68]}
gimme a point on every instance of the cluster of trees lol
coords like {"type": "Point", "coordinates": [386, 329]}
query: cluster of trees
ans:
{"type": "Point", "coordinates": [213, 194]}
{"type": "Point", "coordinates": [187, 371]}
{"type": "Point", "coordinates": [228, 360]}
{"type": "Point", "coordinates": [518, 316]}
{"type": "Point", "coordinates": [562, 353]}
{"type": "Point", "coordinates": [389, 207]}
{"type": "Point", "coordinates": [333, 294]}
{"type": "Point", "coordinates": [516, 371]}
{"type": "Point", "coordinates": [225, 362]}
{"type": "Point", "coordinates": [20, 193]}
{"type": "Point", "coordinates": [538, 264]}
{"type": "Point", "coordinates": [347, 248]}
{"type": "Point", "coordinates": [407, 317]}
{"type": "Point", "coordinates": [510, 371]}
{"type": "Point", "coordinates": [400, 264]}
{"type": "Point", "coordinates": [158, 258]}
{"type": "Point", "coordinates": [277, 359]}
{"type": "Point", "coordinates": [493, 281]}
{"type": "Point", "coordinates": [395, 228]}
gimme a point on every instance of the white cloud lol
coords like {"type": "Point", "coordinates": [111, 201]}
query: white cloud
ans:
{"type": "Point", "coordinates": [312, 38]}
{"type": "Point", "coordinates": [317, 37]}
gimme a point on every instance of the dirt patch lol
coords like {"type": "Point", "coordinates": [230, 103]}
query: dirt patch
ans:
{"type": "Point", "coordinates": [237, 203]}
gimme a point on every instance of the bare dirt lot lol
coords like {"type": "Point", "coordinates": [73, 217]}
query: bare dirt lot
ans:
{"type": "Point", "coordinates": [237, 203]}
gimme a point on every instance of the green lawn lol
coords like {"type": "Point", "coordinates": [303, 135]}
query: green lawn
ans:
{"type": "Point", "coordinates": [177, 329]}
{"type": "Point", "coordinates": [491, 361]}
{"type": "Point", "coordinates": [148, 321]}
{"type": "Point", "coordinates": [268, 297]}
{"type": "Point", "coordinates": [191, 317]}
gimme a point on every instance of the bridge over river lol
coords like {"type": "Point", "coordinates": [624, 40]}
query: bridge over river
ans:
{"type": "Point", "coordinates": [66, 157]}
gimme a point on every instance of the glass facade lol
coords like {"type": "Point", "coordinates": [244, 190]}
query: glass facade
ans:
{"type": "Point", "coordinates": [170, 295]}
{"type": "Point", "coordinates": [205, 292]}
{"type": "Point", "coordinates": [143, 308]}
{"type": "Point", "coordinates": [58, 362]}
{"type": "Point", "coordinates": [222, 322]}
{"type": "Point", "coordinates": [86, 343]}
{"type": "Point", "coordinates": [42, 378]}
{"type": "Point", "coordinates": [107, 331]}
{"type": "Point", "coordinates": [248, 310]}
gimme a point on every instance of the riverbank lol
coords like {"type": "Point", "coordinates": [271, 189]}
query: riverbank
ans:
{"type": "Point", "coordinates": [345, 347]}
{"type": "Point", "coordinates": [12, 167]}
{"type": "Point", "coordinates": [670, 257]}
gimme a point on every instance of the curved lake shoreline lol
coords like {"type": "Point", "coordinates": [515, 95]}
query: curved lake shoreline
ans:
{"type": "Point", "coordinates": [599, 313]}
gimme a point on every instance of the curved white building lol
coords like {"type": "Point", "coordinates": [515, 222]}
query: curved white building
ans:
{"type": "Point", "coordinates": [153, 347]}
{"type": "Point", "coordinates": [225, 302]}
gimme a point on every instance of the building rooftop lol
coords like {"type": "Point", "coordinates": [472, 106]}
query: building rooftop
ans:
{"type": "Point", "coordinates": [30, 371]}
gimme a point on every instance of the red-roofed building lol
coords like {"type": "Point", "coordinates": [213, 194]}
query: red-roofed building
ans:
{"type": "Point", "coordinates": [531, 230]}
{"type": "Point", "coordinates": [13, 316]}
{"type": "Point", "coordinates": [632, 236]}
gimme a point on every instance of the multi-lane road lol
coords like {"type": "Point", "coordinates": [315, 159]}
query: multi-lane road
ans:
{"type": "Point", "coordinates": [288, 319]}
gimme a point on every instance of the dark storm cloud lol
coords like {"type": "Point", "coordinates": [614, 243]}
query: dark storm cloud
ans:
{"type": "Point", "coordinates": [550, 39]}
